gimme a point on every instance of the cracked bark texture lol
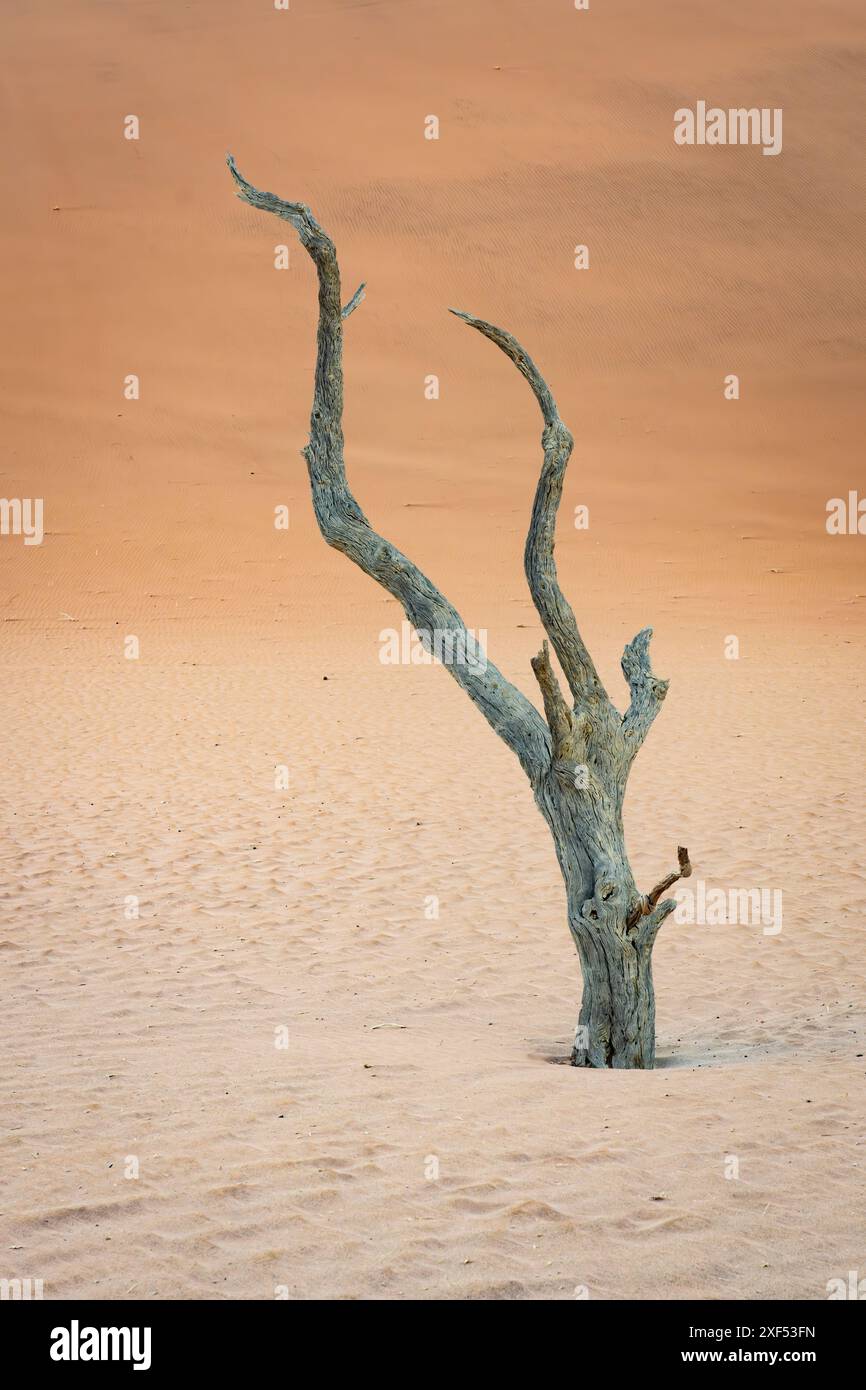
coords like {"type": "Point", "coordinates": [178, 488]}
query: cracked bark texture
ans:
{"type": "Point", "coordinates": [577, 758]}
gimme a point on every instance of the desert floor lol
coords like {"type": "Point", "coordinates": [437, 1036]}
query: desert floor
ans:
{"type": "Point", "coordinates": [417, 1136]}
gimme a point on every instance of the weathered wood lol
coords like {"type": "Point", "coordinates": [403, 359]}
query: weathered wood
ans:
{"type": "Point", "coordinates": [578, 758]}
{"type": "Point", "coordinates": [551, 604]}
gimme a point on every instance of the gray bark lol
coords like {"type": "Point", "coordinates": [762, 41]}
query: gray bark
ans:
{"type": "Point", "coordinates": [578, 757]}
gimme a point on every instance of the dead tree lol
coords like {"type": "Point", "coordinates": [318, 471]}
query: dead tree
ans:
{"type": "Point", "coordinates": [578, 758]}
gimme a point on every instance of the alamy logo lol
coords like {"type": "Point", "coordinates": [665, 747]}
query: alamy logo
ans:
{"type": "Point", "coordinates": [422, 646]}
{"type": "Point", "coordinates": [20, 1290]}
{"type": "Point", "coordinates": [22, 516]}
{"type": "Point", "coordinates": [713, 907]}
{"type": "Point", "coordinates": [739, 125]}
{"type": "Point", "coordinates": [854, 1288]}
{"type": "Point", "coordinates": [846, 518]}
{"type": "Point", "coordinates": [76, 1343]}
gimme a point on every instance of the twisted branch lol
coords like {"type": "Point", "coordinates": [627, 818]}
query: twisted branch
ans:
{"type": "Point", "coordinates": [647, 691]}
{"type": "Point", "coordinates": [560, 719]}
{"type": "Point", "coordinates": [344, 526]}
{"type": "Point", "coordinates": [649, 912]}
{"type": "Point", "coordinates": [684, 871]}
{"type": "Point", "coordinates": [553, 608]}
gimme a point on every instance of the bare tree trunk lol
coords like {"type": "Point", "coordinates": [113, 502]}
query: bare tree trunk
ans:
{"type": "Point", "coordinates": [617, 1013]}
{"type": "Point", "coordinates": [613, 926]}
{"type": "Point", "coordinates": [578, 758]}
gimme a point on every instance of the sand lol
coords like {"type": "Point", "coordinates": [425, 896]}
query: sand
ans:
{"type": "Point", "coordinates": [417, 1135]}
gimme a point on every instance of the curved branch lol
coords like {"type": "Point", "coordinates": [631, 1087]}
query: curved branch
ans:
{"type": "Point", "coordinates": [553, 608]}
{"type": "Point", "coordinates": [684, 871]}
{"type": "Point", "coordinates": [344, 526]}
{"type": "Point", "coordinates": [560, 719]}
{"type": "Point", "coordinates": [360, 293]}
{"type": "Point", "coordinates": [650, 908]}
{"type": "Point", "coordinates": [647, 691]}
